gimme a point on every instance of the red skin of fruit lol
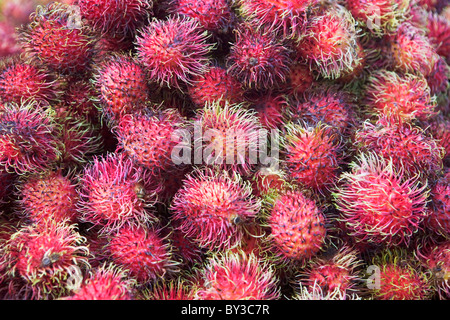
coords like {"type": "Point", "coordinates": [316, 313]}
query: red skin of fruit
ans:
{"type": "Point", "coordinates": [215, 85]}
{"type": "Point", "coordinates": [105, 283]}
{"type": "Point", "coordinates": [237, 276]}
{"type": "Point", "coordinates": [147, 137]}
{"type": "Point", "coordinates": [79, 98]}
{"type": "Point", "coordinates": [379, 204]}
{"type": "Point", "coordinates": [114, 192]}
{"type": "Point", "coordinates": [287, 16]}
{"type": "Point", "coordinates": [405, 96]}
{"type": "Point", "coordinates": [411, 51]}
{"type": "Point", "coordinates": [438, 32]}
{"type": "Point", "coordinates": [408, 146]}
{"type": "Point", "coordinates": [122, 84]}
{"type": "Point", "coordinates": [439, 219]}
{"type": "Point", "coordinates": [439, 77]}
{"type": "Point", "coordinates": [120, 17]}
{"type": "Point", "coordinates": [297, 227]}
{"type": "Point", "coordinates": [173, 51]}
{"type": "Point", "coordinates": [20, 81]}
{"type": "Point", "coordinates": [400, 279]}
{"type": "Point", "coordinates": [329, 43]}
{"type": "Point", "coordinates": [312, 156]}
{"type": "Point", "coordinates": [211, 208]}
{"type": "Point", "coordinates": [49, 41]}
{"type": "Point", "coordinates": [215, 16]}
{"type": "Point", "coordinates": [300, 78]}
{"type": "Point", "coordinates": [8, 40]}
{"type": "Point", "coordinates": [41, 255]}
{"type": "Point", "coordinates": [257, 59]}
{"type": "Point", "coordinates": [170, 290]}
{"type": "Point", "coordinates": [27, 139]}
{"type": "Point", "coordinates": [50, 196]}
{"type": "Point", "coordinates": [270, 108]}
{"type": "Point", "coordinates": [142, 251]}
{"type": "Point", "coordinates": [440, 130]}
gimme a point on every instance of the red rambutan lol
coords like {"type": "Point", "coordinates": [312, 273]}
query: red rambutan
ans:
{"type": "Point", "coordinates": [270, 108]}
{"type": "Point", "coordinates": [178, 289]}
{"type": "Point", "coordinates": [439, 219]}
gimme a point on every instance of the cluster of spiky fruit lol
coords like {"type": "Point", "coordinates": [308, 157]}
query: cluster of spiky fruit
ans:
{"type": "Point", "coordinates": [205, 150]}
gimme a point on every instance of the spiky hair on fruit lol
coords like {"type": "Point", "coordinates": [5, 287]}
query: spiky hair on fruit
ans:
{"type": "Point", "coordinates": [287, 17]}
{"type": "Point", "coordinates": [80, 99]}
{"type": "Point", "coordinates": [338, 272]}
{"type": "Point", "coordinates": [44, 256]}
{"type": "Point", "coordinates": [439, 127]}
{"type": "Point", "coordinates": [122, 85]}
{"type": "Point", "coordinates": [257, 58]}
{"type": "Point", "coordinates": [185, 248]}
{"type": "Point", "coordinates": [107, 282]}
{"type": "Point", "coordinates": [48, 196]}
{"type": "Point", "coordinates": [215, 85]}
{"type": "Point", "coordinates": [115, 192]}
{"type": "Point", "coordinates": [237, 276]}
{"type": "Point", "coordinates": [315, 292]}
{"type": "Point", "coordinates": [406, 96]}
{"type": "Point", "coordinates": [215, 16]}
{"type": "Point", "coordinates": [118, 17]}
{"type": "Point", "coordinates": [300, 77]}
{"type": "Point", "coordinates": [21, 81]}
{"type": "Point", "coordinates": [439, 77]}
{"type": "Point", "coordinates": [378, 203]}
{"type": "Point", "coordinates": [330, 43]}
{"type": "Point", "coordinates": [52, 40]}
{"type": "Point", "coordinates": [379, 17]}
{"type": "Point", "coordinates": [297, 226]}
{"type": "Point", "coordinates": [174, 50]}
{"type": "Point", "coordinates": [435, 258]}
{"type": "Point", "coordinates": [79, 139]}
{"type": "Point", "coordinates": [411, 50]}
{"type": "Point", "coordinates": [150, 136]}
{"type": "Point", "coordinates": [398, 277]}
{"type": "Point", "coordinates": [407, 145]}
{"type": "Point", "coordinates": [268, 179]}
{"type": "Point", "coordinates": [312, 155]}
{"type": "Point", "coordinates": [28, 138]}
{"type": "Point", "coordinates": [213, 207]}
{"type": "Point", "coordinates": [439, 218]}
{"type": "Point", "coordinates": [326, 104]}
{"type": "Point", "coordinates": [171, 289]}
{"type": "Point", "coordinates": [143, 252]}
{"type": "Point", "coordinates": [228, 136]}
{"type": "Point", "coordinates": [438, 33]}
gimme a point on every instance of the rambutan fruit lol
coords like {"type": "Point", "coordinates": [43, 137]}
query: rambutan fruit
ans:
{"type": "Point", "coordinates": [184, 246]}
{"type": "Point", "coordinates": [80, 98]}
{"type": "Point", "coordinates": [270, 108]}
{"type": "Point", "coordinates": [438, 33]}
{"type": "Point", "coordinates": [439, 127]}
{"type": "Point", "coordinates": [51, 40]}
{"type": "Point", "coordinates": [380, 204]}
{"type": "Point", "coordinates": [409, 147]}
{"type": "Point", "coordinates": [28, 141]}
{"type": "Point", "coordinates": [214, 16]}
{"type": "Point", "coordinates": [257, 58]}
{"type": "Point", "coordinates": [379, 17]}
{"type": "Point", "coordinates": [17, 12]}
{"type": "Point", "coordinates": [330, 43]}
{"type": "Point", "coordinates": [405, 96]}
{"type": "Point", "coordinates": [122, 84]}
{"type": "Point", "coordinates": [178, 289]}
{"type": "Point", "coordinates": [21, 81]}
{"type": "Point", "coordinates": [229, 137]}
{"type": "Point", "coordinates": [439, 219]}
{"type": "Point", "coordinates": [8, 40]}
{"type": "Point", "coordinates": [297, 226]}
{"type": "Point", "coordinates": [287, 16]}
{"type": "Point", "coordinates": [300, 78]}
{"type": "Point", "coordinates": [48, 196]}
{"type": "Point", "coordinates": [327, 105]}
{"type": "Point", "coordinates": [439, 77]}
{"type": "Point", "coordinates": [435, 258]}
{"type": "Point", "coordinates": [115, 192]}
{"type": "Point", "coordinates": [174, 50]}
{"type": "Point", "coordinates": [216, 84]}
{"type": "Point", "coordinates": [119, 17]}
{"type": "Point", "coordinates": [337, 272]}
{"type": "Point", "coordinates": [237, 276]}
{"type": "Point", "coordinates": [143, 252]}
{"type": "Point", "coordinates": [312, 155]}
{"type": "Point", "coordinates": [107, 282]}
{"type": "Point", "coordinates": [411, 51]}
{"type": "Point", "coordinates": [268, 179]}
{"type": "Point", "coordinates": [400, 277]}
{"type": "Point", "coordinates": [148, 137]}
{"type": "Point", "coordinates": [315, 292]}
{"type": "Point", "coordinates": [43, 256]}
{"type": "Point", "coordinates": [213, 207]}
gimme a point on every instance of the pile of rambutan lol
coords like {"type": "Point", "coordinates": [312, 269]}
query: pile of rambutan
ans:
{"type": "Point", "coordinates": [221, 149]}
